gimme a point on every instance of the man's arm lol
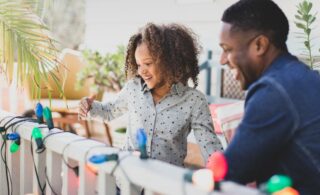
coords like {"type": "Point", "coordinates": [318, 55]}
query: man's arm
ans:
{"type": "Point", "coordinates": [268, 124]}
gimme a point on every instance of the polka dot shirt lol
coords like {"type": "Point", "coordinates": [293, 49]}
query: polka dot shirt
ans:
{"type": "Point", "coordinates": [166, 123]}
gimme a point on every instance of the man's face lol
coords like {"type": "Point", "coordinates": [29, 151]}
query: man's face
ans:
{"type": "Point", "coordinates": [239, 54]}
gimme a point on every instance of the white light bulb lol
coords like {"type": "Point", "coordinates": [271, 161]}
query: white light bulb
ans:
{"type": "Point", "coordinates": [136, 153]}
{"type": "Point", "coordinates": [202, 178]}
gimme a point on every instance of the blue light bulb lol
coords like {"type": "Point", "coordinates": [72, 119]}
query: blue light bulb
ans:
{"type": "Point", "coordinates": [39, 112]}
{"type": "Point", "coordinates": [142, 142]}
{"type": "Point", "coordinates": [97, 159]}
{"type": "Point", "coordinates": [13, 136]}
{"type": "Point", "coordinates": [141, 137]}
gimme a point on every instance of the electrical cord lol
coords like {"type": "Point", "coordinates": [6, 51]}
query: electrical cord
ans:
{"type": "Point", "coordinates": [15, 125]}
{"type": "Point", "coordinates": [42, 188]}
{"type": "Point", "coordinates": [11, 118]}
{"type": "Point", "coordinates": [7, 125]}
{"type": "Point", "coordinates": [118, 165]}
{"type": "Point", "coordinates": [93, 147]}
{"type": "Point", "coordinates": [4, 146]}
{"type": "Point", "coordinates": [51, 134]}
{"type": "Point", "coordinates": [8, 175]}
{"type": "Point", "coordinates": [4, 156]}
{"type": "Point", "coordinates": [75, 168]}
{"type": "Point", "coordinates": [47, 179]}
{"type": "Point", "coordinates": [14, 129]}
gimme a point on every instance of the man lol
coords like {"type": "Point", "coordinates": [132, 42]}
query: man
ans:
{"type": "Point", "coordinates": [280, 131]}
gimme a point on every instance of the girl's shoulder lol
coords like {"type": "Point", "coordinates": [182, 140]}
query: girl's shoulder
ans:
{"type": "Point", "coordinates": [136, 81]}
{"type": "Point", "coordinates": [195, 92]}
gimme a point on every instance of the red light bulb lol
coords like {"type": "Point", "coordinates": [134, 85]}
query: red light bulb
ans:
{"type": "Point", "coordinates": [218, 164]}
{"type": "Point", "coordinates": [287, 191]}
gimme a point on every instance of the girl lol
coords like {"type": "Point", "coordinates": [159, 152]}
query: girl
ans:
{"type": "Point", "coordinates": [160, 61]}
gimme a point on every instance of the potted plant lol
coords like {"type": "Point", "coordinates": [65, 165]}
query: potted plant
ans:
{"type": "Point", "coordinates": [105, 71]}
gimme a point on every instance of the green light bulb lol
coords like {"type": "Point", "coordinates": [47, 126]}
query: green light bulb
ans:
{"type": "Point", "coordinates": [14, 147]}
{"type": "Point", "coordinates": [278, 182]}
{"type": "Point", "coordinates": [47, 113]}
{"type": "Point", "coordinates": [48, 116]}
{"type": "Point", "coordinates": [36, 133]}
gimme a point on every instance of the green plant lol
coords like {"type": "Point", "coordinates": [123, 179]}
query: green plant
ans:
{"type": "Point", "coordinates": [25, 41]}
{"type": "Point", "coordinates": [121, 130]}
{"type": "Point", "coordinates": [106, 71]}
{"type": "Point", "coordinates": [304, 21]}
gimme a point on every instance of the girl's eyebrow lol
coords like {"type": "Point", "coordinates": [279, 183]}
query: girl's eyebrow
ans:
{"type": "Point", "coordinates": [149, 58]}
{"type": "Point", "coordinates": [146, 60]}
{"type": "Point", "coordinates": [222, 44]}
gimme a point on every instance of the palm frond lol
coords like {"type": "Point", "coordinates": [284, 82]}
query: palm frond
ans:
{"type": "Point", "coordinates": [26, 41]}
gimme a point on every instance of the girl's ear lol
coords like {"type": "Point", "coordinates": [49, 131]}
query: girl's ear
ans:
{"type": "Point", "coordinates": [262, 44]}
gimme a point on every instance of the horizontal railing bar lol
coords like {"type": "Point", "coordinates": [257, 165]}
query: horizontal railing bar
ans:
{"type": "Point", "coordinates": [152, 175]}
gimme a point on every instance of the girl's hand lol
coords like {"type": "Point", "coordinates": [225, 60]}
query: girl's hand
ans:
{"type": "Point", "coordinates": [85, 105]}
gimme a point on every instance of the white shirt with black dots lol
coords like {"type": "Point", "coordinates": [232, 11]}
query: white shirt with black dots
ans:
{"type": "Point", "coordinates": [167, 123]}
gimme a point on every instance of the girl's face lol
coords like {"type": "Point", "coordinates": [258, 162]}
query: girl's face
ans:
{"type": "Point", "coordinates": [147, 68]}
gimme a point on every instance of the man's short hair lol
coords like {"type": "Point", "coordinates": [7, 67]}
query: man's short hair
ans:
{"type": "Point", "coordinates": [263, 16]}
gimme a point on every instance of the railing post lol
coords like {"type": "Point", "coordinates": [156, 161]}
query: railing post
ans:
{"type": "Point", "coordinates": [25, 167]}
{"type": "Point", "coordinates": [87, 179]}
{"type": "Point", "coordinates": [54, 162]}
{"type": "Point", "coordinates": [3, 183]}
{"type": "Point", "coordinates": [129, 188]}
{"type": "Point", "coordinates": [70, 181]}
{"type": "Point", "coordinates": [14, 167]}
{"type": "Point", "coordinates": [148, 192]}
{"type": "Point", "coordinates": [208, 74]}
{"type": "Point", "coordinates": [39, 178]}
{"type": "Point", "coordinates": [106, 183]}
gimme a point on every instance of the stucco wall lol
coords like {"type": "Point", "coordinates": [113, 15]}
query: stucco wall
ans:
{"type": "Point", "coordinates": [111, 22]}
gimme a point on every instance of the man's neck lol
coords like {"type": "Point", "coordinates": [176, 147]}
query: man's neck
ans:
{"type": "Point", "coordinates": [270, 56]}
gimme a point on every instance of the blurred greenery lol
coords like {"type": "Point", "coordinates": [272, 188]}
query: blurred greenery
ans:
{"type": "Point", "coordinates": [304, 21]}
{"type": "Point", "coordinates": [106, 71]}
{"type": "Point", "coordinates": [121, 130]}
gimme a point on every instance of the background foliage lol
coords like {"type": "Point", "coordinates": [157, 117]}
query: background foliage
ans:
{"type": "Point", "coordinates": [106, 71]}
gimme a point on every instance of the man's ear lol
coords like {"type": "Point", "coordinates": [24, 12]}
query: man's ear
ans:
{"type": "Point", "coordinates": [262, 44]}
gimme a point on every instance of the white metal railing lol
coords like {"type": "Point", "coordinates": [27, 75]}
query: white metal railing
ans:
{"type": "Point", "coordinates": [65, 150]}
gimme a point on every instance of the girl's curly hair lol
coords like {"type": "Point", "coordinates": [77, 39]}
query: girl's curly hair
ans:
{"type": "Point", "coordinates": [174, 49]}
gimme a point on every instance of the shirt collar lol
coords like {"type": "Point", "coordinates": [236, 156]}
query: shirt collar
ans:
{"type": "Point", "coordinates": [177, 88]}
{"type": "Point", "coordinates": [279, 62]}
{"type": "Point", "coordinates": [144, 87]}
